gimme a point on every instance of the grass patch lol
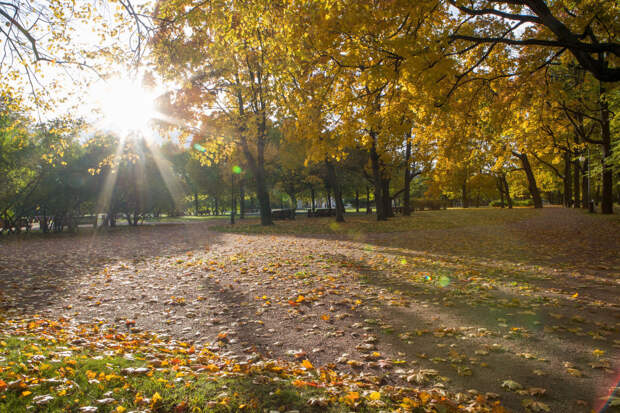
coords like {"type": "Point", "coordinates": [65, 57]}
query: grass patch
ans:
{"type": "Point", "coordinates": [363, 224]}
{"type": "Point", "coordinates": [57, 377]}
{"type": "Point", "coordinates": [56, 366]}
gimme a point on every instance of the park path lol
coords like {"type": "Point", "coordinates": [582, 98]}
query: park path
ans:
{"type": "Point", "coordinates": [526, 312]}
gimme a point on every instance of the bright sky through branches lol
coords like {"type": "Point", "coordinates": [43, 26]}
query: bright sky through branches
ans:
{"type": "Point", "coordinates": [124, 106]}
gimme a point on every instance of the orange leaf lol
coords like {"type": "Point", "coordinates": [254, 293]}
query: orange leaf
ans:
{"type": "Point", "coordinates": [306, 363]}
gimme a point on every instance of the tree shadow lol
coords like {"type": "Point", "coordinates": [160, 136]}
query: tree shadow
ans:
{"type": "Point", "coordinates": [38, 271]}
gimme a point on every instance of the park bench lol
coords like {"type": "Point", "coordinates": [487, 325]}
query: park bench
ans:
{"type": "Point", "coordinates": [85, 220]}
{"type": "Point", "coordinates": [16, 225]}
{"type": "Point", "coordinates": [322, 212]}
{"type": "Point", "coordinates": [283, 214]}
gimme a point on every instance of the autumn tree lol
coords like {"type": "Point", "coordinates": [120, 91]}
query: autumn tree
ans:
{"type": "Point", "coordinates": [224, 57]}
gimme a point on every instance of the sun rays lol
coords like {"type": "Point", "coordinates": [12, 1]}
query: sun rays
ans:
{"type": "Point", "coordinates": [127, 111]}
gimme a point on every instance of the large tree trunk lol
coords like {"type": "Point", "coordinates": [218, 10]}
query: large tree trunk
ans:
{"type": "Point", "coordinates": [408, 177]}
{"type": "Point", "coordinates": [335, 184]}
{"type": "Point", "coordinates": [500, 188]}
{"type": "Point", "coordinates": [607, 205]}
{"type": "Point", "coordinates": [531, 179]}
{"type": "Point", "coordinates": [376, 173]}
{"type": "Point", "coordinates": [568, 196]}
{"type": "Point", "coordinates": [368, 211]}
{"type": "Point", "coordinates": [387, 199]}
{"type": "Point", "coordinates": [263, 198]}
{"type": "Point", "coordinates": [576, 183]}
{"type": "Point", "coordinates": [464, 194]}
{"type": "Point", "coordinates": [507, 191]}
{"type": "Point", "coordinates": [357, 200]}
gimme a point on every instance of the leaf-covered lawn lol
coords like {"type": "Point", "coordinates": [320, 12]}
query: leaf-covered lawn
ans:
{"type": "Point", "coordinates": [60, 366]}
{"type": "Point", "coordinates": [518, 308]}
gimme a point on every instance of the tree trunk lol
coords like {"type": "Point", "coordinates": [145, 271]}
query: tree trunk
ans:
{"type": "Point", "coordinates": [368, 211]}
{"type": "Point", "coordinates": [217, 207]}
{"type": "Point", "coordinates": [357, 200]}
{"type": "Point", "coordinates": [607, 205]}
{"type": "Point", "coordinates": [408, 177]}
{"type": "Point", "coordinates": [335, 184]}
{"type": "Point", "coordinates": [568, 196]}
{"type": "Point", "coordinates": [43, 225]}
{"type": "Point", "coordinates": [376, 173]}
{"type": "Point", "coordinates": [531, 179]}
{"type": "Point", "coordinates": [500, 188]}
{"type": "Point", "coordinates": [576, 184]}
{"type": "Point", "coordinates": [196, 212]}
{"type": "Point", "coordinates": [387, 199]}
{"type": "Point", "coordinates": [464, 194]}
{"type": "Point", "coordinates": [507, 191]}
{"type": "Point", "coordinates": [241, 199]}
{"type": "Point", "coordinates": [329, 196]}
{"type": "Point", "coordinates": [313, 202]}
{"type": "Point", "coordinates": [584, 185]}
{"type": "Point", "coordinates": [263, 201]}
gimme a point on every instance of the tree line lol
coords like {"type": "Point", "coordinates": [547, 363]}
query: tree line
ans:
{"type": "Point", "coordinates": [468, 100]}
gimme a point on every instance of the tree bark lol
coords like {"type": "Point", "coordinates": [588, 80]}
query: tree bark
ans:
{"type": "Point", "coordinates": [408, 177]}
{"type": "Point", "coordinates": [376, 172]}
{"type": "Point", "coordinates": [501, 191]}
{"type": "Point", "coordinates": [584, 186]}
{"type": "Point", "coordinates": [241, 200]}
{"type": "Point", "coordinates": [357, 200]}
{"type": "Point", "coordinates": [576, 183]}
{"type": "Point", "coordinates": [387, 199]}
{"type": "Point", "coordinates": [464, 194]}
{"type": "Point", "coordinates": [607, 205]}
{"type": "Point", "coordinates": [568, 196]}
{"type": "Point", "coordinates": [335, 184]}
{"type": "Point", "coordinates": [196, 203]}
{"type": "Point", "coordinates": [507, 191]}
{"type": "Point", "coordinates": [531, 179]}
{"type": "Point", "coordinates": [313, 202]}
{"type": "Point", "coordinates": [368, 211]}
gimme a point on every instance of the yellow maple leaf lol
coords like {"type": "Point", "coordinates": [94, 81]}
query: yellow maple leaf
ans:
{"type": "Point", "coordinates": [375, 395]}
{"type": "Point", "coordinates": [156, 398]}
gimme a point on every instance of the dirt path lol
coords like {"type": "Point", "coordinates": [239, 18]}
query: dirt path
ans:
{"type": "Point", "coordinates": [527, 311]}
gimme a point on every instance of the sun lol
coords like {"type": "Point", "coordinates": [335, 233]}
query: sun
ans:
{"type": "Point", "coordinates": [126, 107]}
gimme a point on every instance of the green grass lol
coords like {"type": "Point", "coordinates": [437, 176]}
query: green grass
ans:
{"type": "Point", "coordinates": [76, 377]}
{"type": "Point", "coordinates": [362, 224]}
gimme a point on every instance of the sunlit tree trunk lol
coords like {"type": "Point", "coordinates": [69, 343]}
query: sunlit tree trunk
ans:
{"type": "Point", "coordinates": [531, 179]}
